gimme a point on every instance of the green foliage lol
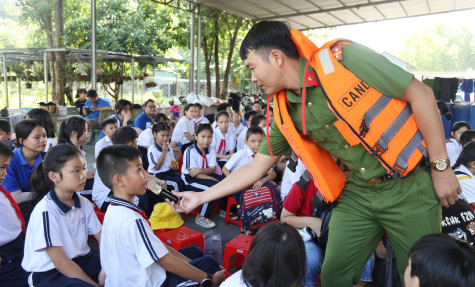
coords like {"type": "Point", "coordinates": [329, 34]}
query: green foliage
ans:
{"type": "Point", "coordinates": [441, 49]}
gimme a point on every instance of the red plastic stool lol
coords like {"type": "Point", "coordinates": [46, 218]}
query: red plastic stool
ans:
{"type": "Point", "coordinates": [182, 237]}
{"type": "Point", "coordinates": [239, 246]}
{"type": "Point", "coordinates": [99, 213]}
{"type": "Point", "coordinates": [231, 202]}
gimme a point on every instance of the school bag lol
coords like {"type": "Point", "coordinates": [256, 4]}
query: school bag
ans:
{"type": "Point", "coordinates": [259, 207]}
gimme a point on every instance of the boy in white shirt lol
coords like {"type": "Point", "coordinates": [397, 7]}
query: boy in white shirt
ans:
{"type": "Point", "coordinates": [242, 136]}
{"type": "Point", "coordinates": [109, 126]}
{"type": "Point", "coordinates": [131, 254]}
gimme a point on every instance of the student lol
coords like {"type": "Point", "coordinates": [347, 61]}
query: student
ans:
{"type": "Point", "coordinates": [446, 117]}
{"type": "Point", "coordinates": [56, 249]}
{"type": "Point", "coordinates": [270, 115]}
{"type": "Point", "coordinates": [276, 258]}
{"type": "Point", "coordinates": [45, 118]}
{"type": "Point", "coordinates": [92, 108]}
{"type": "Point", "coordinates": [161, 157]}
{"type": "Point", "coordinates": [236, 122]}
{"type": "Point", "coordinates": [270, 51]}
{"type": "Point", "coordinates": [5, 134]}
{"type": "Point", "coordinates": [467, 137]}
{"type": "Point", "coordinates": [259, 120]}
{"type": "Point", "coordinates": [31, 137]}
{"type": "Point", "coordinates": [73, 131]}
{"type": "Point", "coordinates": [146, 138]}
{"type": "Point", "coordinates": [197, 171]}
{"type": "Point", "coordinates": [81, 100]}
{"type": "Point", "coordinates": [144, 120]}
{"type": "Point", "coordinates": [224, 140]}
{"type": "Point", "coordinates": [247, 122]}
{"type": "Point", "coordinates": [174, 113]}
{"type": "Point", "coordinates": [12, 231]}
{"type": "Point", "coordinates": [182, 134]}
{"type": "Point", "coordinates": [453, 145]}
{"type": "Point", "coordinates": [464, 168]}
{"type": "Point", "coordinates": [437, 260]}
{"type": "Point", "coordinates": [144, 260]}
{"type": "Point", "coordinates": [108, 126]}
{"type": "Point", "coordinates": [123, 114]}
{"type": "Point", "coordinates": [199, 118]}
{"type": "Point", "coordinates": [257, 107]}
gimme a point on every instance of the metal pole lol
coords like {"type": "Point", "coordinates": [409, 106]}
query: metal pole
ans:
{"type": "Point", "coordinates": [198, 54]}
{"type": "Point", "coordinates": [93, 44]}
{"type": "Point", "coordinates": [122, 86]}
{"type": "Point", "coordinates": [192, 50]}
{"type": "Point", "coordinates": [5, 78]}
{"type": "Point", "coordinates": [133, 80]}
{"type": "Point", "coordinates": [19, 92]}
{"type": "Point", "coordinates": [45, 63]}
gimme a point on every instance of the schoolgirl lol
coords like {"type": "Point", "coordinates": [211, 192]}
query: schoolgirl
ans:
{"type": "Point", "coordinates": [224, 140]}
{"type": "Point", "coordinates": [31, 137]}
{"type": "Point", "coordinates": [45, 118]}
{"type": "Point", "coordinates": [182, 135]}
{"type": "Point", "coordinates": [237, 125]}
{"type": "Point", "coordinates": [56, 249]}
{"type": "Point", "coordinates": [73, 131]}
{"type": "Point", "coordinates": [464, 169]}
{"type": "Point", "coordinates": [197, 171]}
{"type": "Point", "coordinates": [453, 145]}
{"type": "Point", "coordinates": [146, 138]}
{"type": "Point", "coordinates": [160, 157]}
{"type": "Point", "coordinates": [123, 114]}
{"type": "Point", "coordinates": [199, 118]}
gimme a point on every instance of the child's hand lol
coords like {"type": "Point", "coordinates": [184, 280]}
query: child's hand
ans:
{"type": "Point", "coordinates": [258, 185]}
{"type": "Point", "coordinates": [127, 117]}
{"type": "Point", "coordinates": [218, 277]}
{"type": "Point", "coordinates": [174, 167]}
{"type": "Point", "coordinates": [165, 147]}
{"type": "Point", "coordinates": [228, 156]}
{"type": "Point", "coordinates": [194, 171]}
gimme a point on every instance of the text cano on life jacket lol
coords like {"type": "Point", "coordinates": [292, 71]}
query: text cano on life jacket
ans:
{"type": "Point", "coordinates": [351, 98]}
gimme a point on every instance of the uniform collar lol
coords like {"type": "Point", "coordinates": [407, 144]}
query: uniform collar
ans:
{"type": "Point", "coordinates": [120, 202]}
{"type": "Point", "coordinates": [311, 81]}
{"type": "Point", "coordinates": [198, 150]}
{"type": "Point", "coordinates": [249, 152]}
{"type": "Point", "coordinates": [157, 146]}
{"type": "Point", "coordinates": [63, 206]}
{"type": "Point", "coordinates": [23, 161]}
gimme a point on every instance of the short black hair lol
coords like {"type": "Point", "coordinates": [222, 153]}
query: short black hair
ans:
{"type": "Point", "coordinates": [255, 130]}
{"type": "Point", "coordinates": [160, 117]}
{"type": "Point", "coordinates": [91, 93]}
{"type": "Point", "coordinates": [147, 102]}
{"type": "Point", "coordinates": [45, 117]}
{"type": "Point", "coordinates": [122, 104]}
{"type": "Point", "coordinates": [202, 127]}
{"type": "Point", "coordinates": [257, 119]}
{"type": "Point", "coordinates": [458, 125]}
{"type": "Point", "coordinates": [222, 107]}
{"type": "Point", "coordinates": [439, 260]}
{"type": "Point", "coordinates": [199, 106]}
{"type": "Point", "coordinates": [5, 151]}
{"type": "Point", "coordinates": [114, 160]}
{"type": "Point", "coordinates": [221, 113]}
{"type": "Point", "coordinates": [267, 35]}
{"type": "Point", "coordinates": [5, 126]}
{"type": "Point", "coordinates": [467, 137]}
{"type": "Point", "coordinates": [24, 128]}
{"type": "Point", "coordinates": [466, 155]}
{"type": "Point", "coordinates": [80, 91]}
{"type": "Point", "coordinates": [160, 126]}
{"type": "Point", "coordinates": [124, 135]}
{"type": "Point", "coordinates": [249, 114]}
{"type": "Point", "coordinates": [108, 121]}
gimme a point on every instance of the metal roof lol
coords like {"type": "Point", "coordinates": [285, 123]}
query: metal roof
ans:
{"type": "Point", "coordinates": [314, 14]}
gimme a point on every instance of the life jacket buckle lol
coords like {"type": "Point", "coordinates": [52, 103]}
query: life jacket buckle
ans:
{"type": "Point", "coordinates": [363, 128]}
{"type": "Point", "coordinates": [396, 172]}
{"type": "Point", "coordinates": [376, 151]}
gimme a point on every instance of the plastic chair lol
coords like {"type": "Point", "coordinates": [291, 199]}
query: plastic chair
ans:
{"type": "Point", "coordinates": [231, 202]}
{"type": "Point", "coordinates": [99, 213]}
{"type": "Point", "coordinates": [181, 237]}
{"type": "Point", "coordinates": [239, 246]}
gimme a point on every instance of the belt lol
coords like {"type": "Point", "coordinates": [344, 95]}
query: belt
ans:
{"type": "Point", "coordinates": [382, 178]}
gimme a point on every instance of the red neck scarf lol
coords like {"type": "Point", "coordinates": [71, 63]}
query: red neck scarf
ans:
{"type": "Point", "coordinates": [222, 147]}
{"type": "Point", "coordinates": [15, 206]}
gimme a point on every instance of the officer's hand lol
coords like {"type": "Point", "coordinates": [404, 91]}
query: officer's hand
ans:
{"type": "Point", "coordinates": [189, 201]}
{"type": "Point", "coordinates": [446, 186]}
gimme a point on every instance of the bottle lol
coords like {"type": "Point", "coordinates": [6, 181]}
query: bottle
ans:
{"type": "Point", "coordinates": [181, 141]}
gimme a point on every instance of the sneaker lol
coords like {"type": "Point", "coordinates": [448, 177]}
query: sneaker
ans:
{"type": "Point", "coordinates": [234, 216]}
{"type": "Point", "coordinates": [222, 213]}
{"type": "Point", "coordinates": [205, 222]}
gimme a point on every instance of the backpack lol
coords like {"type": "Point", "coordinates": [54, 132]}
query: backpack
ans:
{"type": "Point", "coordinates": [259, 207]}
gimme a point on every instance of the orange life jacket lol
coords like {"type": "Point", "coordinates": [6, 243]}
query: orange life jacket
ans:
{"type": "Point", "coordinates": [385, 126]}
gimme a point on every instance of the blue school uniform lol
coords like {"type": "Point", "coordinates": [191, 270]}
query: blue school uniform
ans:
{"type": "Point", "coordinates": [119, 123]}
{"type": "Point", "coordinates": [164, 172]}
{"type": "Point", "coordinates": [19, 172]}
{"type": "Point", "coordinates": [142, 121]}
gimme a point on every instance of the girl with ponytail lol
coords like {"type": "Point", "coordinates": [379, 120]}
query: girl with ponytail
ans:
{"type": "Point", "coordinates": [464, 168]}
{"type": "Point", "coordinates": [56, 248]}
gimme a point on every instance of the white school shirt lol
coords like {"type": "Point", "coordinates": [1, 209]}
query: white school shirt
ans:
{"type": "Point", "coordinates": [129, 248]}
{"type": "Point", "coordinates": [240, 139]}
{"type": "Point", "coordinates": [223, 144]}
{"type": "Point", "coordinates": [154, 153]}
{"type": "Point", "coordinates": [193, 158]}
{"type": "Point", "coordinates": [234, 280]}
{"type": "Point", "coordinates": [50, 142]}
{"type": "Point", "coordinates": [54, 223]}
{"type": "Point", "coordinates": [240, 158]}
{"type": "Point", "coordinates": [195, 122]}
{"type": "Point", "coordinates": [182, 126]}
{"type": "Point", "coordinates": [238, 130]}
{"type": "Point", "coordinates": [102, 143]}
{"type": "Point", "coordinates": [10, 227]}
{"type": "Point", "coordinates": [99, 191]}
{"type": "Point", "coordinates": [453, 150]}
{"type": "Point", "coordinates": [146, 138]}
{"type": "Point", "coordinates": [289, 178]}
{"type": "Point", "coordinates": [467, 184]}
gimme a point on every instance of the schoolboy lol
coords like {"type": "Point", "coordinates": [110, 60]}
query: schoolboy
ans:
{"type": "Point", "coordinates": [242, 136]}
{"type": "Point", "coordinates": [109, 126]}
{"type": "Point", "coordinates": [12, 231]}
{"type": "Point", "coordinates": [143, 259]}
{"type": "Point", "coordinates": [372, 201]}
{"type": "Point", "coordinates": [465, 138]}
{"type": "Point", "coordinates": [256, 106]}
{"type": "Point", "coordinates": [92, 108]}
{"type": "Point", "coordinates": [5, 134]}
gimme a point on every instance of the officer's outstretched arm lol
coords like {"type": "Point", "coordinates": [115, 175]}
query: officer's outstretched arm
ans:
{"type": "Point", "coordinates": [428, 119]}
{"type": "Point", "coordinates": [245, 176]}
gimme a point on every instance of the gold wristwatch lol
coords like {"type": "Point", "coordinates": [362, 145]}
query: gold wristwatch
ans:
{"type": "Point", "coordinates": [440, 164]}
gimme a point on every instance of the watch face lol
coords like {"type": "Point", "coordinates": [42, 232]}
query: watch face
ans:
{"type": "Point", "coordinates": [441, 164]}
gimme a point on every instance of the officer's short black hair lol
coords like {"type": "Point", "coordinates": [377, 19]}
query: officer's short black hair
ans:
{"type": "Point", "coordinates": [267, 35]}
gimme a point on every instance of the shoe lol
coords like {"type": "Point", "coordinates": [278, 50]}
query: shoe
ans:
{"type": "Point", "coordinates": [233, 216]}
{"type": "Point", "coordinates": [222, 213]}
{"type": "Point", "coordinates": [205, 222]}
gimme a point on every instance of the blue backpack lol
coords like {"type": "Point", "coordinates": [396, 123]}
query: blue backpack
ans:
{"type": "Point", "coordinates": [259, 207]}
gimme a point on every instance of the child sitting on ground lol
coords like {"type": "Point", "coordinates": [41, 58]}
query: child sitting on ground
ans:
{"type": "Point", "coordinates": [5, 134]}
{"type": "Point", "coordinates": [437, 260]}
{"type": "Point", "coordinates": [224, 140]}
{"type": "Point", "coordinates": [56, 248]}
{"type": "Point", "coordinates": [144, 259]}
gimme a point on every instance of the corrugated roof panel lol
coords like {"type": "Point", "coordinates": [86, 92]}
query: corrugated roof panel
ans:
{"type": "Point", "coordinates": [414, 8]}
{"type": "Point", "coordinates": [368, 13]}
{"type": "Point", "coordinates": [464, 4]}
{"type": "Point", "coordinates": [327, 4]}
{"type": "Point", "coordinates": [440, 5]}
{"type": "Point", "coordinates": [391, 10]}
{"type": "Point", "coordinates": [347, 16]}
{"type": "Point", "coordinates": [327, 19]}
{"type": "Point", "coordinates": [353, 2]}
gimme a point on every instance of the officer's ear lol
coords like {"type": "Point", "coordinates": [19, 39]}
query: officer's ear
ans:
{"type": "Point", "coordinates": [276, 57]}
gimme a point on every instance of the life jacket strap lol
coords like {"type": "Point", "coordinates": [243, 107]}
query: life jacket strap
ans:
{"type": "Point", "coordinates": [293, 161]}
{"type": "Point", "coordinates": [409, 149]}
{"type": "Point", "coordinates": [372, 113]}
{"type": "Point", "coordinates": [304, 180]}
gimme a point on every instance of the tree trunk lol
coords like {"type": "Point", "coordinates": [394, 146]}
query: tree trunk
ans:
{"type": "Point", "coordinates": [216, 60]}
{"type": "Point", "coordinates": [207, 55]}
{"type": "Point", "coordinates": [48, 27]}
{"type": "Point", "coordinates": [59, 59]}
{"type": "Point", "coordinates": [230, 54]}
